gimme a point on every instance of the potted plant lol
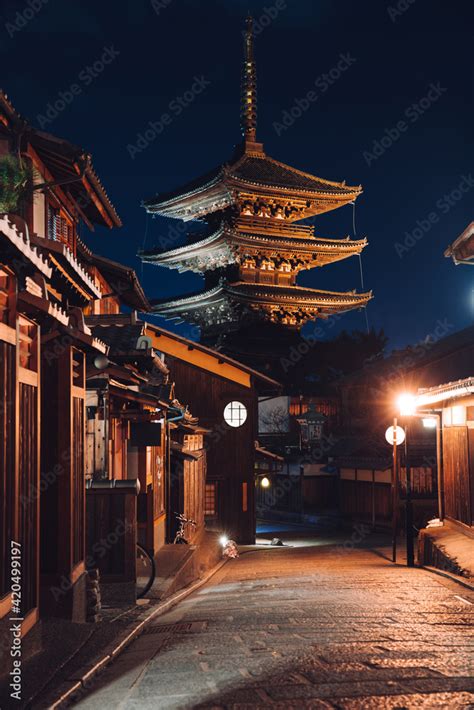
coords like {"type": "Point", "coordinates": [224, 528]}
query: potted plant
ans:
{"type": "Point", "coordinates": [16, 183]}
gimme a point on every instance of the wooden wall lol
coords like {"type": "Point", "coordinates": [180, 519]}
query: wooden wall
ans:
{"type": "Point", "coordinates": [458, 473]}
{"type": "Point", "coordinates": [63, 480]}
{"type": "Point", "coordinates": [7, 461]}
{"type": "Point", "coordinates": [230, 451]}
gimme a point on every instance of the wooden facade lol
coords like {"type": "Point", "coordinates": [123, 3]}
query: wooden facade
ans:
{"type": "Point", "coordinates": [455, 401]}
{"type": "Point", "coordinates": [209, 382]}
{"type": "Point", "coordinates": [44, 346]}
{"type": "Point", "coordinates": [458, 473]}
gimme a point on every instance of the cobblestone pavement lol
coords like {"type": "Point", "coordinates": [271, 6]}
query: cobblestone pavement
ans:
{"type": "Point", "coordinates": [304, 627]}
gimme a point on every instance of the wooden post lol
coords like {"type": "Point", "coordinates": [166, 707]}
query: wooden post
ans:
{"type": "Point", "coordinates": [439, 467]}
{"type": "Point", "coordinates": [394, 493]}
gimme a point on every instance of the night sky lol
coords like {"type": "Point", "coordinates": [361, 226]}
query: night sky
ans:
{"type": "Point", "coordinates": [409, 62]}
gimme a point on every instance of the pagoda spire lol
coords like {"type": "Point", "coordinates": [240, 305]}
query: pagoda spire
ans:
{"type": "Point", "coordinates": [248, 111]}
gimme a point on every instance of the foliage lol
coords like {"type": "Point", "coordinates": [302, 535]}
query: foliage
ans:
{"type": "Point", "coordinates": [16, 179]}
{"type": "Point", "coordinates": [330, 360]}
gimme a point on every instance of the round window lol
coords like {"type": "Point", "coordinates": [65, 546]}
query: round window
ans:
{"type": "Point", "coordinates": [235, 414]}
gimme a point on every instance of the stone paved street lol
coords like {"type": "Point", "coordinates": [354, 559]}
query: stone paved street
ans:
{"type": "Point", "coordinates": [304, 627]}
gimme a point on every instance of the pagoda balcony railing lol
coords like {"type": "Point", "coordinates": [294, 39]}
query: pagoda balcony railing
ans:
{"type": "Point", "coordinates": [275, 227]}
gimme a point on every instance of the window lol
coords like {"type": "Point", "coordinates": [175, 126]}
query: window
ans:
{"type": "Point", "coordinates": [210, 499]}
{"type": "Point", "coordinates": [59, 228]}
{"type": "Point", "coordinates": [235, 414]}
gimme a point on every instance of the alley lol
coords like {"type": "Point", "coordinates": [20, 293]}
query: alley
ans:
{"type": "Point", "coordinates": [304, 627]}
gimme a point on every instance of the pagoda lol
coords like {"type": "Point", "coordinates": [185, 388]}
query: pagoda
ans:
{"type": "Point", "coordinates": [254, 247]}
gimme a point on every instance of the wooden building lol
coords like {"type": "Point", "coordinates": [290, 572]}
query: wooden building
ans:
{"type": "Point", "coordinates": [254, 248]}
{"type": "Point", "coordinates": [49, 187]}
{"type": "Point", "coordinates": [223, 395]}
{"type": "Point", "coordinates": [368, 401]}
{"type": "Point", "coordinates": [455, 403]}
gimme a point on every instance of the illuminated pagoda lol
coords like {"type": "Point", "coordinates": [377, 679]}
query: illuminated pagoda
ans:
{"type": "Point", "coordinates": [254, 247]}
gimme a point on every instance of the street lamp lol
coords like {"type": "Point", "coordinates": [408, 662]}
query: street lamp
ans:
{"type": "Point", "coordinates": [407, 405]}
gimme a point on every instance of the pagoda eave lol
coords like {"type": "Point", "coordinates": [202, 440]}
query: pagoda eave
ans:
{"type": "Point", "coordinates": [223, 304]}
{"type": "Point", "coordinates": [229, 245]}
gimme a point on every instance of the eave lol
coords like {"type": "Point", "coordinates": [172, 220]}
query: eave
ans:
{"type": "Point", "coordinates": [265, 295]}
{"type": "Point", "coordinates": [122, 279]}
{"type": "Point", "coordinates": [68, 266]}
{"type": "Point", "coordinates": [67, 164]}
{"type": "Point", "coordinates": [223, 186]}
{"type": "Point", "coordinates": [462, 249]}
{"type": "Point", "coordinates": [228, 245]}
{"type": "Point", "coordinates": [21, 244]}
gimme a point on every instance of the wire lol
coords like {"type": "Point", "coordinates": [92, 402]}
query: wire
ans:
{"type": "Point", "coordinates": [144, 242]}
{"type": "Point", "coordinates": [354, 232]}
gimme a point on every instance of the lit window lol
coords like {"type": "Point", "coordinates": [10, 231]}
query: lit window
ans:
{"type": "Point", "coordinates": [210, 509]}
{"type": "Point", "coordinates": [458, 414]}
{"type": "Point", "coordinates": [235, 414]}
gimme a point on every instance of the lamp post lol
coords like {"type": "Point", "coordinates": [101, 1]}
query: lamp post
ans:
{"type": "Point", "coordinates": [430, 421]}
{"type": "Point", "coordinates": [395, 436]}
{"type": "Point", "coordinates": [407, 406]}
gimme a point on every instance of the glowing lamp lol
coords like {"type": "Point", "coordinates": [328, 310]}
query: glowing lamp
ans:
{"type": "Point", "coordinates": [265, 482]}
{"type": "Point", "coordinates": [407, 405]}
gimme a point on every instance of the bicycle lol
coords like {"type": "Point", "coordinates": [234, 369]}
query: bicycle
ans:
{"type": "Point", "coordinates": [146, 571]}
{"type": "Point", "coordinates": [180, 538]}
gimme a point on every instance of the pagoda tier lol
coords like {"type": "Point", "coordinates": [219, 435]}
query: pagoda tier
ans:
{"type": "Point", "coordinates": [227, 305]}
{"type": "Point", "coordinates": [254, 185]}
{"type": "Point", "coordinates": [257, 246]}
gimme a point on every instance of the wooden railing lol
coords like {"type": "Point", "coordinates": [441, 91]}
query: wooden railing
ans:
{"type": "Point", "coordinates": [274, 227]}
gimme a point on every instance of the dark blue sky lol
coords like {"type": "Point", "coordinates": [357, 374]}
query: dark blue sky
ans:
{"type": "Point", "coordinates": [397, 55]}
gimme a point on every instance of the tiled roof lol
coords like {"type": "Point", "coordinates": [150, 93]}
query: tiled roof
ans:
{"type": "Point", "coordinates": [257, 169]}
{"type": "Point", "coordinates": [62, 159]}
{"type": "Point", "coordinates": [120, 338]}
{"type": "Point", "coordinates": [266, 171]}
{"type": "Point", "coordinates": [295, 292]}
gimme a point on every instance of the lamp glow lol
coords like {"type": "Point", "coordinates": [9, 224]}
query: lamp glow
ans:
{"type": "Point", "coordinates": [265, 482]}
{"type": "Point", "coordinates": [407, 405]}
{"type": "Point", "coordinates": [223, 540]}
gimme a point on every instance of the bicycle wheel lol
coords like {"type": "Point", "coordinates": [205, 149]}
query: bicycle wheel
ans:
{"type": "Point", "coordinates": [146, 571]}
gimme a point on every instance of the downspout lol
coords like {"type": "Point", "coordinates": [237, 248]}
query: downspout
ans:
{"type": "Point", "coordinates": [175, 418]}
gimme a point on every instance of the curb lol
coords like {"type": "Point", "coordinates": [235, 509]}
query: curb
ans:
{"type": "Point", "coordinates": [87, 676]}
{"type": "Point", "coordinates": [449, 575]}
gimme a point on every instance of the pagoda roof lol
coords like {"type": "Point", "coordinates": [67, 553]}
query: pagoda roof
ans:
{"type": "Point", "coordinates": [222, 247]}
{"type": "Point", "coordinates": [253, 171]}
{"type": "Point", "coordinates": [323, 302]}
